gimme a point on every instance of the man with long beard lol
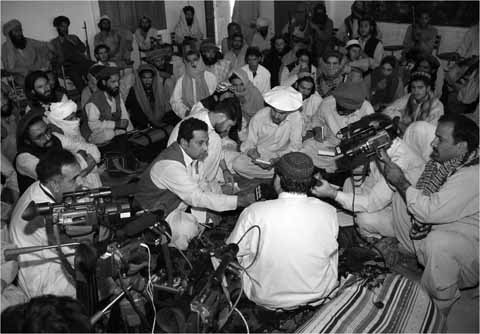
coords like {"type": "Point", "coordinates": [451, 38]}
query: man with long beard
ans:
{"type": "Point", "coordinates": [106, 112]}
{"type": "Point", "coordinates": [21, 55]}
{"type": "Point", "coordinates": [213, 64]}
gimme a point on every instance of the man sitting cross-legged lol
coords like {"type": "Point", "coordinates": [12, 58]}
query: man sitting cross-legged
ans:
{"type": "Point", "coordinates": [292, 256]}
{"type": "Point", "coordinates": [174, 184]}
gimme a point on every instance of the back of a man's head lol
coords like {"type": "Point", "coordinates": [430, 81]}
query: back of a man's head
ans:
{"type": "Point", "coordinates": [51, 164]}
{"type": "Point", "coordinates": [231, 108]}
{"type": "Point", "coordinates": [46, 314]}
{"type": "Point", "coordinates": [295, 172]}
{"type": "Point", "coordinates": [188, 126]}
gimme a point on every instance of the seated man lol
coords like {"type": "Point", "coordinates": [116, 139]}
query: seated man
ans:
{"type": "Point", "coordinates": [419, 105]}
{"type": "Point", "coordinates": [272, 132]}
{"type": "Point", "coordinates": [422, 35]}
{"type": "Point", "coordinates": [346, 105]}
{"type": "Point", "coordinates": [233, 28]}
{"type": "Point", "coordinates": [102, 55]}
{"type": "Point", "coordinates": [311, 103]}
{"type": "Point", "coordinates": [437, 219]}
{"type": "Point", "coordinates": [35, 140]}
{"type": "Point", "coordinates": [41, 272]}
{"type": "Point", "coordinates": [292, 259]}
{"type": "Point", "coordinates": [236, 54]}
{"type": "Point", "coordinates": [119, 49]}
{"type": "Point", "coordinates": [69, 52]}
{"type": "Point", "coordinates": [145, 33]}
{"type": "Point", "coordinates": [373, 196]}
{"type": "Point", "coordinates": [21, 55]}
{"type": "Point", "coordinates": [302, 66]}
{"type": "Point", "coordinates": [212, 59]}
{"type": "Point", "coordinates": [40, 93]}
{"type": "Point", "coordinates": [194, 85]}
{"type": "Point", "coordinates": [106, 112]}
{"type": "Point", "coordinates": [219, 120]}
{"type": "Point", "coordinates": [173, 184]}
{"type": "Point", "coordinates": [187, 26]}
{"type": "Point", "coordinates": [263, 35]}
{"type": "Point", "coordinates": [257, 74]}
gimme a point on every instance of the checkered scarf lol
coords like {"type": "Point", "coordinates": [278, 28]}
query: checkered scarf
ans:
{"type": "Point", "coordinates": [432, 179]}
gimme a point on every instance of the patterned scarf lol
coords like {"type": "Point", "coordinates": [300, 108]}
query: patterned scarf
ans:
{"type": "Point", "coordinates": [418, 111]}
{"type": "Point", "coordinates": [432, 179]}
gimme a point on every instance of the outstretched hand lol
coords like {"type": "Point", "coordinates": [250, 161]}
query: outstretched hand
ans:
{"type": "Point", "coordinates": [391, 170]}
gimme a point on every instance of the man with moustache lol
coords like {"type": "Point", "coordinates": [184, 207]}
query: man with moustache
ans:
{"type": "Point", "coordinates": [173, 185]}
{"type": "Point", "coordinates": [40, 93]}
{"type": "Point", "coordinates": [211, 58]}
{"type": "Point", "coordinates": [106, 112]}
{"type": "Point", "coordinates": [21, 55]}
{"type": "Point", "coordinates": [236, 54]}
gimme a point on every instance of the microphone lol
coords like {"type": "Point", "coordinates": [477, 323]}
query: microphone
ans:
{"type": "Point", "coordinates": [139, 225]}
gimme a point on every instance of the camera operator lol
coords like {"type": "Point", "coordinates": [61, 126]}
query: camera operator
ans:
{"type": "Point", "coordinates": [173, 184]}
{"type": "Point", "coordinates": [292, 259]}
{"type": "Point", "coordinates": [41, 272]}
{"type": "Point", "coordinates": [373, 195]}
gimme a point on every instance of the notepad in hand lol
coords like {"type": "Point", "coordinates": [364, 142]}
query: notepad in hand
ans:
{"type": "Point", "coordinates": [327, 153]}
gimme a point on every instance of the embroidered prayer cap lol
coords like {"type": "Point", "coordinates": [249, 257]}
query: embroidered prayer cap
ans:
{"type": "Point", "coordinates": [10, 25]}
{"type": "Point", "coordinates": [263, 22]}
{"type": "Point", "coordinates": [106, 72]}
{"type": "Point", "coordinates": [61, 110]}
{"type": "Point", "coordinates": [223, 87]}
{"type": "Point", "coordinates": [352, 42]}
{"type": "Point", "coordinates": [424, 76]}
{"type": "Point", "coordinates": [283, 98]}
{"type": "Point", "coordinates": [295, 166]}
{"type": "Point", "coordinates": [350, 95]}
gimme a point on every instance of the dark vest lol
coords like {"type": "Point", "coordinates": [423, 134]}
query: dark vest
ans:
{"type": "Point", "coordinates": [370, 46]}
{"type": "Point", "coordinates": [148, 195]}
{"type": "Point", "coordinates": [25, 181]}
{"type": "Point", "coordinates": [100, 101]}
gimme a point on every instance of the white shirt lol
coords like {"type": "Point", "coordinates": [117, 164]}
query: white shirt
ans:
{"type": "Point", "coordinates": [297, 256]}
{"type": "Point", "coordinates": [261, 43]}
{"type": "Point", "coordinates": [103, 131]}
{"type": "Point", "coordinates": [310, 107]}
{"type": "Point", "coordinates": [209, 167]}
{"type": "Point", "coordinates": [398, 107]}
{"type": "Point", "coordinates": [288, 78]}
{"type": "Point", "coordinates": [261, 80]}
{"type": "Point", "coordinates": [273, 140]}
{"type": "Point", "coordinates": [329, 117]}
{"type": "Point", "coordinates": [375, 193]}
{"type": "Point", "coordinates": [186, 183]}
{"type": "Point", "coordinates": [41, 272]}
{"type": "Point", "coordinates": [178, 107]}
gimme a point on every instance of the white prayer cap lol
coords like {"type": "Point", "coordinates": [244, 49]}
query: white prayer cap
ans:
{"type": "Point", "coordinates": [263, 22]}
{"type": "Point", "coordinates": [61, 110]}
{"type": "Point", "coordinates": [283, 98]}
{"type": "Point", "coordinates": [352, 42]}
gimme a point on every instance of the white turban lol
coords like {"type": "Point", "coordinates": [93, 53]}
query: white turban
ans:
{"type": "Point", "coordinates": [61, 110]}
{"type": "Point", "coordinates": [283, 98]}
{"type": "Point", "coordinates": [263, 22]}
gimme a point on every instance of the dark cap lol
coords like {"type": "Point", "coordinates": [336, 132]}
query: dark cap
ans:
{"type": "Point", "coordinates": [106, 72]}
{"type": "Point", "coordinates": [296, 166]}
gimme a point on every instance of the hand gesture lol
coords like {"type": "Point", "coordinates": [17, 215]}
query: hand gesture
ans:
{"type": "Point", "coordinates": [253, 153]}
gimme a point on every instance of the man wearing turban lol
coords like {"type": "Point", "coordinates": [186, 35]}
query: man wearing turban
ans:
{"type": "Point", "coordinates": [21, 55]}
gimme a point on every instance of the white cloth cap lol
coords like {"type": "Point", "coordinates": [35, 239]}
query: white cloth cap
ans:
{"type": "Point", "coordinates": [263, 22]}
{"type": "Point", "coordinates": [283, 98]}
{"type": "Point", "coordinates": [352, 42]}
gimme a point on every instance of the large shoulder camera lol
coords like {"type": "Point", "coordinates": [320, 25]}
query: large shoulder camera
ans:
{"type": "Point", "coordinates": [361, 140]}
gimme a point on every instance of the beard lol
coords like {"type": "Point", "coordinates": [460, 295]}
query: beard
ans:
{"type": "Point", "coordinates": [19, 43]}
{"type": "Point", "coordinates": [319, 18]}
{"type": "Point", "coordinates": [45, 98]}
{"type": "Point", "coordinates": [112, 91]}
{"type": "Point", "coordinates": [189, 21]}
{"type": "Point", "coordinates": [209, 61]}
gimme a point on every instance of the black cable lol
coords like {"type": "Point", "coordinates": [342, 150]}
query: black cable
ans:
{"type": "Point", "coordinates": [132, 302]}
{"type": "Point", "coordinates": [258, 243]}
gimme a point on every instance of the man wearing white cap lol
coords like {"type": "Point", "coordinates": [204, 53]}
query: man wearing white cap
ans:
{"type": "Point", "coordinates": [66, 127]}
{"type": "Point", "coordinates": [273, 131]}
{"type": "Point", "coordinates": [261, 38]}
{"type": "Point", "coordinates": [113, 39]}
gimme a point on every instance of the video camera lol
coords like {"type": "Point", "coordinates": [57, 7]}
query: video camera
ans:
{"type": "Point", "coordinates": [361, 140]}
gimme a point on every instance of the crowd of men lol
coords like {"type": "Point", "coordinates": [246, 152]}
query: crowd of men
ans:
{"type": "Point", "coordinates": [260, 107]}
